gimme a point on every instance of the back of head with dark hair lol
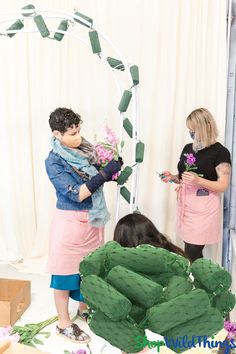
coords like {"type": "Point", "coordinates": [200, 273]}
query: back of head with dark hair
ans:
{"type": "Point", "coordinates": [136, 229]}
{"type": "Point", "coordinates": [63, 118]}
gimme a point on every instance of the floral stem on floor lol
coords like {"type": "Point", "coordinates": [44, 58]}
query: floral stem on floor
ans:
{"type": "Point", "coordinates": [29, 331]}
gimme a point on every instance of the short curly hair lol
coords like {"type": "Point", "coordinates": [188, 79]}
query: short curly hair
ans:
{"type": "Point", "coordinates": [63, 118]}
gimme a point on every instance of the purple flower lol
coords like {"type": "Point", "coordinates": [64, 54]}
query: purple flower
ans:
{"type": "Point", "coordinates": [191, 159]}
{"type": "Point", "coordinates": [80, 351]}
{"type": "Point", "coordinates": [231, 328]}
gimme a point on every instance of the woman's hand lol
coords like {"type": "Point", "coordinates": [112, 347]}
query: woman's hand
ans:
{"type": "Point", "coordinates": [190, 178]}
{"type": "Point", "coordinates": [166, 176]}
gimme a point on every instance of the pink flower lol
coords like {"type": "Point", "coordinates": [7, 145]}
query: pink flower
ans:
{"type": "Point", "coordinates": [108, 150]}
{"type": "Point", "coordinates": [109, 136]}
{"type": "Point", "coordinates": [80, 351]}
{"type": "Point", "coordinates": [6, 333]}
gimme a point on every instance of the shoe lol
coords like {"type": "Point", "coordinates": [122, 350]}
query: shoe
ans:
{"type": "Point", "coordinates": [83, 315]}
{"type": "Point", "coordinates": [73, 333]}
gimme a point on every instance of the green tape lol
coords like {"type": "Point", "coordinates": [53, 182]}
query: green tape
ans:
{"type": "Point", "coordinates": [127, 125]}
{"type": "Point", "coordinates": [18, 25]}
{"type": "Point", "coordinates": [89, 19]}
{"type": "Point", "coordinates": [94, 40]}
{"type": "Point", "coordinates": [139, 153]}
{"type": "Point", "coordinates": [127, 171]}
{"type": "Point", "coordinates": [63, 26]}
{"type": "Point", "coordinates": [42, 27]}
{"type": "Point", "coordinates": [116, 63]}
{"type": "Point", "coordinates": [125, 193]}
{"type": "Point", "coordinates": [125, 100]}
{"type": "Point", "coordinates": [135, 74]}
{"type": "Point", "coordinates": [28, 7]}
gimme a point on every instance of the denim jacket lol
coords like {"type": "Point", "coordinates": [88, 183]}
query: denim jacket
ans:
{"type": "Point", "coordinates": [67, 183]}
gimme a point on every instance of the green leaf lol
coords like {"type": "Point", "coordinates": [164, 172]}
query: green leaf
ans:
{"type": "Point", "coordinates": [67, 352]}
{"type": "Point", "coordinates": [30, 344]}
{"type": "Point", "coordinates": [46, 334]}
{"type": "Point", "coordinates": [122, 144]}
{"type": "Point", "coordinates": [37, 341]}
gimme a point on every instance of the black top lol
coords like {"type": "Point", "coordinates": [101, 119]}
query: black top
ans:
{"type": "Point", "coordinates": [205, 160]}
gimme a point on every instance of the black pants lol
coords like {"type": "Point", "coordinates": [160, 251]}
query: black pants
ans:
{"type": "Point", "coordinates": [193, 251]}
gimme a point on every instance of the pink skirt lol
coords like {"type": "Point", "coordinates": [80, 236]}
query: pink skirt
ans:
{"type": "Point", "coordinates": [71, 239]}
{"type": "Point", "coordinates": [198, 219]}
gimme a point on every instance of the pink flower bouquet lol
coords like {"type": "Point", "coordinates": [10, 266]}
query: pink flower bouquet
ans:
{"type": "Point", "coordinates": [108, 150]}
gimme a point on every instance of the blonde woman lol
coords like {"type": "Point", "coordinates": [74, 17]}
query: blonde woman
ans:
{"type": "Point", "coordinates": [203, 174]}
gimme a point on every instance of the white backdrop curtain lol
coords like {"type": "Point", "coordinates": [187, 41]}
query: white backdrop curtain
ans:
{"type": "Point", "coordinates": [180, 48]}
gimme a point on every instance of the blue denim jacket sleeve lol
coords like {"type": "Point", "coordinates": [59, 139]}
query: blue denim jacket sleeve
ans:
{"type": "Point", "coordinates": [66, 181]}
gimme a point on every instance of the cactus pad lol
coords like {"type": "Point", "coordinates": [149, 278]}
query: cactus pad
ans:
{"type": "Point", "coordinates": [211, 275]}
{"type": "Point", "coordinates": [120, 334]}
{"type": "Point", "coordinates": [137, 288]}
{"type": "Point", "coordinates": [100, 295]}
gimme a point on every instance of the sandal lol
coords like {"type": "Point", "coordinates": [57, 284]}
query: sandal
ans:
{"type": "Point", "coordinates": [83, 315]}
{"type": "Point", "coordinates": [73, 333]}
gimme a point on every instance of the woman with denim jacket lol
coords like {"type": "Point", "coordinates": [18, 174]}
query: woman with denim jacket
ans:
{"type": "Point", "coordinates": [78, 224]}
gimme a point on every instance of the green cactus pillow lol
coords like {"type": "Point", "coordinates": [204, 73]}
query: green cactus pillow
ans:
{"type": "Point", "coordinates": [211, 276]}
{"type": "Point", "coordinates": [205, 325]}
{"type": "Point", "coordinates": [148, 259]}
{"type": "Point", "coordinates": [120, 334]}
{"type": "Point", "coordinates": [100, 295]}
{"type": "Point", "coordinates": [183, 308]}
{"type": "Point", "coordinates": [94, 262]}
{"type": "Point", "coordinates": [133, 289]}
{"type": "Point", "coordinates": [137, 288]}
{"type": "Point", "coordinates": [177, 286]}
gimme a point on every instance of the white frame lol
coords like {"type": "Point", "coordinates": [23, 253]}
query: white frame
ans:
{"type": "Point", "coordinates": [8, 16]}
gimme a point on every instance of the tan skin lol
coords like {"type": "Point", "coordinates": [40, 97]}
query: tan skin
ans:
{"type": "Point", "coordinates": [223, 171]}
{"type": "Point", "coordinates": [72, 139]}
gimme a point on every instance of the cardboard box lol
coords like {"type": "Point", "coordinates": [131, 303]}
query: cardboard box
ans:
{"type": "Point", "coordinates": [14, 300]}
{"type": "Point", "coordinates": [6, 347]}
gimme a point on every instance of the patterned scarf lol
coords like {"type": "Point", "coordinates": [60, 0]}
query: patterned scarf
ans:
{"type": "Point", "coordinates": [83, 159]}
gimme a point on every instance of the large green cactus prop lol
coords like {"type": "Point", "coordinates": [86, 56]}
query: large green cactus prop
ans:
{"type": "Point", "coordinates": [133, 289]}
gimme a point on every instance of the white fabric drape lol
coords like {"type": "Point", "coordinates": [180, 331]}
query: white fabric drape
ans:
{"type": "Point", "coordinates": [179, 46]}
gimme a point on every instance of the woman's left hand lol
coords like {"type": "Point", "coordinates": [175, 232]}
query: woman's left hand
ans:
{"type": "Point", "coordinates": [190, 178]}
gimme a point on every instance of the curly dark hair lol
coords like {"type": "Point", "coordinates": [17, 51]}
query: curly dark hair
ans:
{"type": "Point", "coordinates": [63, 118]}
{"type": "Point", "coordinates": [136, 229]}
